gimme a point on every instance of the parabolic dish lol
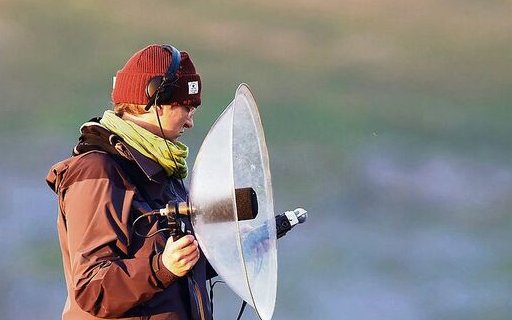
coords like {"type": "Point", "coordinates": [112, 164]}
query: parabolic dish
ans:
{"type": "Point", "coordinates": [234, 155]}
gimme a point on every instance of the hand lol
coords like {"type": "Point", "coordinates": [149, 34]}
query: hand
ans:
{"type": "Point", "coordinates": [181, 255]}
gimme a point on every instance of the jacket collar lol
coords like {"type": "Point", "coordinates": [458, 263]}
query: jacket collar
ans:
{"type": "Point", "coordinates": [95, 136]}
{"type": "Point", "coordinates": [151, 169]}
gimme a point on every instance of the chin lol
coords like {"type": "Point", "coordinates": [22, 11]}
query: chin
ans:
{"type": "Point", "coordinates": [171, 136]}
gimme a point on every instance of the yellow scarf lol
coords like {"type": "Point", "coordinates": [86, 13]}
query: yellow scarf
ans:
{"type": "Point", "coordinates": [149, 144]}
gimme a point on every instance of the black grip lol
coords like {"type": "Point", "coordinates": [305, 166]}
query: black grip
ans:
{"type": "Point", "coordinates": [282, 225]}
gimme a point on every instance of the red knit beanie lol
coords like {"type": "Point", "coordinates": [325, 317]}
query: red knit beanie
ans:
{"type": "Point", "coordinates": [131, 81]}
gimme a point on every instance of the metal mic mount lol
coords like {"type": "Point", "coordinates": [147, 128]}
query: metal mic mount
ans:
{"type": "Point", "coordinates": [173, 208]}
{"type": "Point", "coordinates": [175, 212]}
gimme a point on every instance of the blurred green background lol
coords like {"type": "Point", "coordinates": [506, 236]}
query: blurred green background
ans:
{"type": "Point", "coordinates": [388, 120]}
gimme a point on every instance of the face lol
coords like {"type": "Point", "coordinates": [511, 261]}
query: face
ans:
{"type": "Point", "coordinates": [175, 119]}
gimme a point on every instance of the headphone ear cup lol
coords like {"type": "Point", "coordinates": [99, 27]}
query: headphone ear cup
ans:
{"type": "Point", "coordinates": [153, 86]}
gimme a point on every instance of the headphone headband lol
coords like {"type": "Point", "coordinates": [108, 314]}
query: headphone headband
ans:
{"type": "Point", "coordinates": [175, 62]}
{"type": "Point", "coordinates": [160, 88]}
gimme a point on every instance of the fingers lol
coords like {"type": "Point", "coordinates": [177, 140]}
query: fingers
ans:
{"type": "Point", "coordinates": [185, 245]}
{"type": "Point", "coordinates": [188, 254]}
{"type": "Point", "coordinates": [189, 261]}
{"type": "Point", "coordinates": [186, 263]}
{"type": "Point", "coordinates": [181, 255]}
{"type": "Point", "coordinates": [182, 242]}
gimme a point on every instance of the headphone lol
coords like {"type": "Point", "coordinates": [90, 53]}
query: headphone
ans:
{"type": "Point", "coordinates": [159, 88]}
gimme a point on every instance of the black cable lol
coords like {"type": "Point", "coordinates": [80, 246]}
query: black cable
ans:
{"type": "Point", "coordinates": [187, 200]}
{"type": "Point", "coordinates": [182, 185]}
{"type": "Point", "coordinates": [211, 292]}
{"type": "Point", "coordinates": [145, 215]}
{"type": "Point", "coordinates": [167, 143]}
{"type": "Point", "coordinates": [244, 304]}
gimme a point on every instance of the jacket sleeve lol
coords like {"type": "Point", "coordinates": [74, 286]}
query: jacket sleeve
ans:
{"type": "Point", "coordinates": [107, 281]}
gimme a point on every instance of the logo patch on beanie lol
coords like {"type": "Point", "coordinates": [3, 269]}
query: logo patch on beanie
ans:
{"type": "Point", "coordinates": [193, 87]}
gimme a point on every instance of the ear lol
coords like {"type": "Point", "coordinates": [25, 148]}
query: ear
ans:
{"type": "Point", "coordinates": [159, 110]}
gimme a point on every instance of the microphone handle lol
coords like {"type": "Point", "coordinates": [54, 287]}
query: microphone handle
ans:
{"type": "Point", "coordinates": [283, 225]}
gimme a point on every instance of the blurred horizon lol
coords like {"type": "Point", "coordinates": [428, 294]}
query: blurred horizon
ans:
{"type": "Point", "coordinates": [387, 120]}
